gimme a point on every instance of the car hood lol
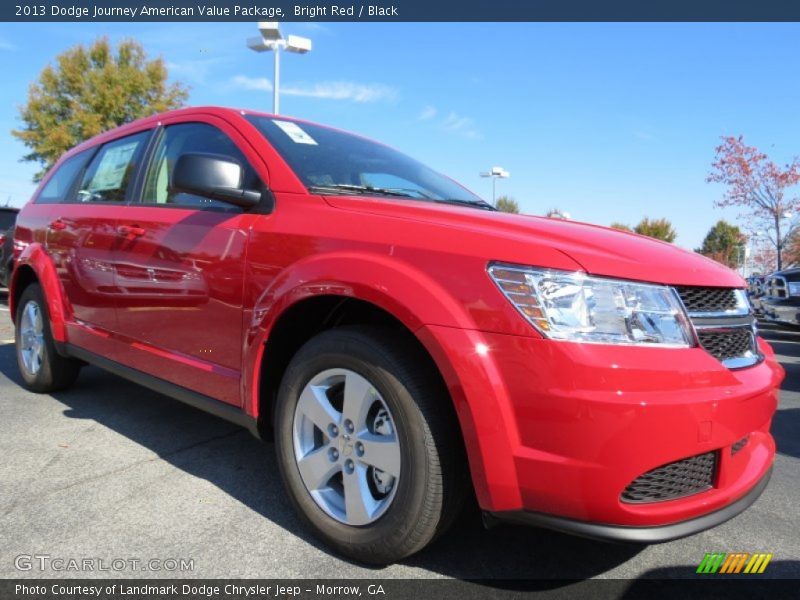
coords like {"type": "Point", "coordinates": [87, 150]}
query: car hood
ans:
{"type": "Point", "coordinates": [599, 250]}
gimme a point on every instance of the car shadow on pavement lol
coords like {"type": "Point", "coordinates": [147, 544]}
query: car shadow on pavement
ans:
{"type": "Point", "coordinates": [786, 422]}
{"type": "Point", "coordinates": [775, 569]}
{"type": "Point", "coordinates": [519, 557]}
{"type": "Point", "coordinates": [246, 469]}
{"type": "Point", "coordinates": [786, 430]}
{"type": "Point", "coordinates": [792, 381]}
{"type": "Point", "coordinates": [777, 581]}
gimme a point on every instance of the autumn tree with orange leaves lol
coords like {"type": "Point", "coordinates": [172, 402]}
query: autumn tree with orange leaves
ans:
{"type": "Point", "coordinates": [792, 253]}
{"type": "Point", "coordinates": [759, 185]}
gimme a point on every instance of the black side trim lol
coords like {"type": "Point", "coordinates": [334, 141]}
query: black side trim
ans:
{"type": "Point", "coordinates": [182, 394]}
{"type": "Point", "coordinates": [642, 535]}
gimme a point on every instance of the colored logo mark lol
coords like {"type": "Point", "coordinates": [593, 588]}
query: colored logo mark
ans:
{"type": "Point", "coordinates": [737, 562]}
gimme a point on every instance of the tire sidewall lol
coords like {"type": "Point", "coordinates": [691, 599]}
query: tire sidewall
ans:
{"type": "Point", "coordinates": [409, 500]}
{"type": "Point", "coordinates": [40, 380]}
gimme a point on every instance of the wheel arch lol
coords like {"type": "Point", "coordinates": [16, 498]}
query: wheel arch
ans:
{"type": "Point", "coordinates": [340, 287]}
{"type": "Point", "coordinates": [35, 266]}
{"type": "Point", "coordinates": [308, 317]}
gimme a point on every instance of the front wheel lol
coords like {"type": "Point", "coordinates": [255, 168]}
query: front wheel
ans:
{"type": "Point", "coordinates": [42, 368]}
{"type": "Point", "coordinates": [367, 444]}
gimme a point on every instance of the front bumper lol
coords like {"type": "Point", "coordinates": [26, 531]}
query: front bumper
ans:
{"type": "Point", "coordinates": [561, 429]}
{"type": "Point", "coordinates": [640, 535]}
{"type": "Point", "coordinates": [785, 310]}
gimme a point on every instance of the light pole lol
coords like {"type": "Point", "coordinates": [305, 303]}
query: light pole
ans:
{"type": "Point", "coordinates": [748, 249]}
{"type": "Point", "coordinates": [272, 40]}
{"type": "Point", "coordinates": [496, 173]}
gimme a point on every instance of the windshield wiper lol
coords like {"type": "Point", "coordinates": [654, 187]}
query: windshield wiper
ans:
{"type": "Point", "coordinates": [334, 188]}
{"type": "Point", "coordinates": [481, 204]}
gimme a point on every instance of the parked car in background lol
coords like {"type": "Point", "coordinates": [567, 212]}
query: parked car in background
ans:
{"type": "Point", "coordinates": [781, 301]}
{"type": "Point", "coordinates": [8, 218]}
{"type": "Point", "coordinates": [756, 290]}
{"type": "Point", "coordinates": [404, 342]}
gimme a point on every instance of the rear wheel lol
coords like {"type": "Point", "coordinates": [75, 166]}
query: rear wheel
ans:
{"type": "Point", "coordinates": [42, 368]}
{"type": "Point", "coordinates": [367, 445]}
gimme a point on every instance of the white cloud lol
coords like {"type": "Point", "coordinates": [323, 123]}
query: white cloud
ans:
{"type": "Point", "coordinates": [256, 84]}
{"type": "Point", "coordinates": [428, 113]}
{"type": "Point", "coordinates": [193, 70]}
{"type": "Point", "coordinates": [327, 90]}
{"type": "Point", "coordinates": [6, 45]}
{"type": "Point", "coordinates": [452, 123]}
{"type": "Point", "coordinates": [463, 126]}
{"type": "Point", "coordinates": [312, 26]}
{"type": "Point", "coordinates": [344, 90]}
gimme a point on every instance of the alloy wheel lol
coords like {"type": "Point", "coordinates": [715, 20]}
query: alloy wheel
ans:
{"type": "Point", "coordinates": [346, 446]}
{"type": "Point", "coordinates": [31, 331]}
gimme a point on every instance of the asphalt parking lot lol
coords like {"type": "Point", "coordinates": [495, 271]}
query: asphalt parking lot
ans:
{"type": "Point", "coordinates": [111, 470]}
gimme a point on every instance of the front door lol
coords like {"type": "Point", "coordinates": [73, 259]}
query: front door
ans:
{"type": "Point", "coordinates": [180, 270]}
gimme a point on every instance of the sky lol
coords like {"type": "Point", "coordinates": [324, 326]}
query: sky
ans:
{"type": "Point", "coordinates": [608, 122]}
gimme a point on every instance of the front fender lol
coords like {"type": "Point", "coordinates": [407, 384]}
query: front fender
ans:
{"type": "Point", "coordinates": [35, 258]}
{"type": "Point", "coordinates": [405, 292]}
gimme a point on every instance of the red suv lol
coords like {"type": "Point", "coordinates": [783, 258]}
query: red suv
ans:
{"type": "Point", "coordinates": [402, 341]}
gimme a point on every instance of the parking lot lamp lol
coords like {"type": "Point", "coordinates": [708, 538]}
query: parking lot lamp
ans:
{"type": "Point", "coordinates": [271, 39]}
{"type": "Point", "coordinates": [496, 173]}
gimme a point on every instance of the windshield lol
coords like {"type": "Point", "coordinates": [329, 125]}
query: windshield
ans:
{"type": "Point", "coordinates": [328, 161]}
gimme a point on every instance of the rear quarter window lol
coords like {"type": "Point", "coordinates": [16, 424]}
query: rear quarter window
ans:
{"type": "Point", "coordinates": [59, 185]}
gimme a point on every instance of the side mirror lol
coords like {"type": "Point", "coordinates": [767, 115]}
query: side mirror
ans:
{"type": "Point", "coordinates": [213, 176]}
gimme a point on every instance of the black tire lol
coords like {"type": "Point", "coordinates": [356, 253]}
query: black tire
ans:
{"type": "Point", "coordinates": [431, 486]}
{"type": "Point", "coordinates": [56, 372]}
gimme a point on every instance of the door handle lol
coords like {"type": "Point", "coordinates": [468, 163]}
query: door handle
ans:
{"type": "Point", "coordinates": [58, 225]}
{"type": "Point", "coordinates": [127, 230]}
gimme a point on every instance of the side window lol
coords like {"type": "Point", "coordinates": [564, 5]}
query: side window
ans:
{"type": "Point", "coordinates": [111, 170]}
{"type": "Point", "coordinates": [59, 185]}
{"type": "Point", "coordinates": [190, 138]}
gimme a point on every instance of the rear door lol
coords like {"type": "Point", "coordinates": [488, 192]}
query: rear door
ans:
{"type": "Point", "coordinates": [181, 269]}
{"type": "Point", "coordinates": [34, 224]}
{"type": "Point", "coordinates": [82, 232]}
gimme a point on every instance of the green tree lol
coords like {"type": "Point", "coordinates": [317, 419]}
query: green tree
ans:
{"type": "Point", "coordinates": [724, 243]}
{"type": "Point", "coordinates": [507, 204]}
{"type": "Point", "coordinates": [620, 226]}
{"type": "Point", "coordinates": [90, 90]}
{"type": "Point", "coordinates": [557, 213]}
{"type": "Point", "coordinates": [660, 229]}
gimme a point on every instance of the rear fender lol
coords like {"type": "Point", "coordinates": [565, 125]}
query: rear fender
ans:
{"type": "Point", "coordinates": [36, 258]}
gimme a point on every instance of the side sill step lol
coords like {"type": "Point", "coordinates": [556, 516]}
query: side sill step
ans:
{"type": "Point", "coordinates": [205, 403]}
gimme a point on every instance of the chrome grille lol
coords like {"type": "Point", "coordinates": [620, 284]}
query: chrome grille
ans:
{"type": "Point", "coordinates": [778, 287]}
{"type": "Point", "coordinates": [727, 343]}
{"type": "Point", "coordinates": [674, 480]}
{"type": "Point", "coordinates": [724, 324]}
{"type": "Point", "coordinates": [707, 299]}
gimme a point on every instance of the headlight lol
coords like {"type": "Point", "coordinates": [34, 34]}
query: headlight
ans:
{"type": "Point", "coordinates": [577, 307]}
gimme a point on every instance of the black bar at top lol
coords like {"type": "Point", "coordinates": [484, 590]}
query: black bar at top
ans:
{"type": "Point", "coordinates": [400, 10]}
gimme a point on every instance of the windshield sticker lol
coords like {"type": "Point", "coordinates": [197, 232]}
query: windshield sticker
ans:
{"type": "Point", "coordinates": [297, 135]}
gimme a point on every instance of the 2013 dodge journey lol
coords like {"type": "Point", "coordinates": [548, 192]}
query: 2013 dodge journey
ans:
{"type": "Point", "coordinates": [403, 342]}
